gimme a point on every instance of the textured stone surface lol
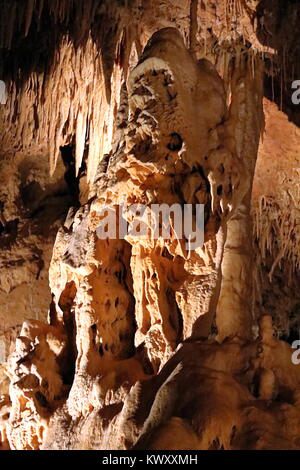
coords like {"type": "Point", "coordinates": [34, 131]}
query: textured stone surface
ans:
{"type": "Point", "coordinates": [32, 208]}
{"type": "Point", "coordinates": [147, 344]}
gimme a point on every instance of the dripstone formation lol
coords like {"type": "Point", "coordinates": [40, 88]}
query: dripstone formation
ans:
{"type": "Point", "coordinates": [142, 343]}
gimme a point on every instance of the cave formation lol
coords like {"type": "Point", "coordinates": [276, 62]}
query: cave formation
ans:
{"type": "Point", "coordinates": [135, 343]}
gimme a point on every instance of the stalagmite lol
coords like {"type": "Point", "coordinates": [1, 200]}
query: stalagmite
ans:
{"type": "Point", "coordinates": [234, 311]}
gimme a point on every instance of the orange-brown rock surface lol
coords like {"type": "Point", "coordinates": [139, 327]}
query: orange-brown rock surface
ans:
{"type": "Point", "coordinates": [144, 343]}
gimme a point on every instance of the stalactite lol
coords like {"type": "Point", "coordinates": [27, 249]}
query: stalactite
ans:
{"type": "Point", "coordinates": [193, 25]}
{"type": "Point", "coordinates": [277, 230]}
{"type": "Point", "coordinates": [29, 13]}
{"type": "Point", "coordinates": [78, 116]}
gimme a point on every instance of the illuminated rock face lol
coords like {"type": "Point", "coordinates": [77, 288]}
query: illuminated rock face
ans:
{"type": "Point", "coordinates": [122, 307]}
{"type": "Point", "coordinates": [147, 344]}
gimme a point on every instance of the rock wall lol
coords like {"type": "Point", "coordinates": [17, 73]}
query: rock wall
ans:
{"type": "Point", "coordinates": [163, 106]}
